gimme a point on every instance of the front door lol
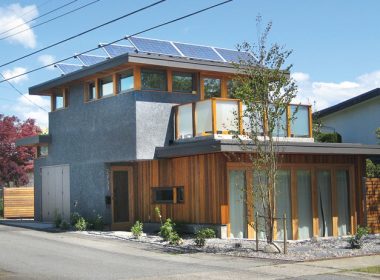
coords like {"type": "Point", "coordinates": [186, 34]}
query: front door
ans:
{"type": "Point", "coordinates": [122, 197]}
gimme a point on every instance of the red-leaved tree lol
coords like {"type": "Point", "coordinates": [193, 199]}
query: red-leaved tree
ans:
{"type": "Point", "coordinates": [15, 162]}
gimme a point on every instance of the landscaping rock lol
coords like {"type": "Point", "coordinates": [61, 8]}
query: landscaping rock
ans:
{"type": "Point", "coordinates": [271, 248]}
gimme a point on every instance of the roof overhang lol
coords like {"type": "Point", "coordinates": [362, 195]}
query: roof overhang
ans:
{"type": "Point", "coordinates": [135, 58]}
{"type": "Point", "coordinates": [34, 141]}
{"type": "Point", "coordinates": [214, 145]}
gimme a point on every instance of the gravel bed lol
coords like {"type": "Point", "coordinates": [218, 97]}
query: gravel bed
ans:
{"type": "Point", "coordinates": [321, 248]}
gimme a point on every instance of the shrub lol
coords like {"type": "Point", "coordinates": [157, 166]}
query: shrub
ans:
{"type": "Point", "coordinates": [57, 219]}
{"type": "Point", "coordinates": [64, 225]}
{"type": "Point", "coordinates": [175, 239]}
{"type": "Point", "coordinates": [137, 229]}
{"type": "Point", "coordinates": [167, 229]}
{"type": "Point", "coordinates": [201, 236]}
{"type": "Point", "coordinates": [372, 169]}
{"type": "Point", "coordinates": [74, 217]}
{"type": "Point", "coordinates": [356, 241]}
{"type": "Point", "coordinates": [328, 137]}
{"type": "Point", "coordinates": [81, 224]}
{"type": "Point", "coordinates": [96, 223]}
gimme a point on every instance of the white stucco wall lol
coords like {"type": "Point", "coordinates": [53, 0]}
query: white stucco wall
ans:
{"type": "Point", "coordinates": [358, 123]}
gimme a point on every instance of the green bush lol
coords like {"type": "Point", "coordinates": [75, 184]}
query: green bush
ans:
{"type": "Point", "coordinates": [137, 229]}
{"type": "Point", "coordinates": [74, 217]}
{"type": "Point", "coordinates": [167, 229]}
{"type": "Point", "coordinates": [372, 169]}
{"type": "Point", "coordinates": [175, 239]}
{"type": "Point", "coordinates": [81, 224]}
{"type": "Point", "coordinates": [57, 219]}
{"type": "Point", "coordinates": [96, 223]}
{"type": "Point", "coordinates": [64, 225]}
{"type": "Point", "coordinates": [201, 236]}
{"type": "Point", "coordinates": [328, 137]}
{"type": "Point", "coordinates": [356, 241]}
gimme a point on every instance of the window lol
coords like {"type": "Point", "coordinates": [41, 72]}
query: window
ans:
{"type": "Point", "coordinates": [184, 82]}
{"type": "Point", "coordinates": [230, 87]}
{"type": "Point", "coordinates": [60, 99]}
{"type": "Point", "coordinates": [42, 151]}
{"type": "Point", "coordinates": [91, 91]}
{"type": "Point", "coordinates": [106, 86]}
{"type": "Point", "coordinates": [212, 87]}
{"type": "Point", "coordinates": [168, 195]}
{"type": "Point", "coordinates": [126, 81]}
{"type": "Point", "coordinates": [153, 79]}
{"type": "Point", "coordinates": [300, 123]}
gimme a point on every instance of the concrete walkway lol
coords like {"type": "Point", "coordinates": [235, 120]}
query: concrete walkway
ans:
{"type": "Point", "coordinates": [29, 224]}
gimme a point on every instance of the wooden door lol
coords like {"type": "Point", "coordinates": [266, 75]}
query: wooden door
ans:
{"type": "Point", "coordinates": [122, 197]}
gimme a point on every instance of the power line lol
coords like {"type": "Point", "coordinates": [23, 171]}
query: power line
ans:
{"type": "Point", "coordinates": [23, 95]}
{"type": "Point", "coordinates": [49, 20]}
{"type": "Point", "coordinates": [121, 39]}
{"type": "Point", "coordinates": [33, 19]}
{"type": "Point", "coordinates": [82, 33]}
{"type": "Point", "coordinates": [28, 12]}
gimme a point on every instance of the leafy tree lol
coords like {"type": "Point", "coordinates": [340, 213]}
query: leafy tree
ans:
{"type": "Point", "coordinates": [266, 89]}
{"type": "Point", "coordinates": [15, 162]}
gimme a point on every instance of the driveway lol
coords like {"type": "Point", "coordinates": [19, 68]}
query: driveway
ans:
{"type": "Point", "coordinates": [29, 254]}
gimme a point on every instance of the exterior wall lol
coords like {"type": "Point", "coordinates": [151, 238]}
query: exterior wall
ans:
{"type": "Point", "coordinates": [373, 204]}
{"type": "Point", "coordinates": [90, 136]}
{"type": "Point", "coordinates": [204, 178]}
{"type": "Point", "coordinates": [356, 124]}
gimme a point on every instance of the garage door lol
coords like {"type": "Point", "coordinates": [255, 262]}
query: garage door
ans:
{"type": "Point", "coordinates": [55, 192]}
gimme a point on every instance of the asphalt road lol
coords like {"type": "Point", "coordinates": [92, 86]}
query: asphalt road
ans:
{"type": "Point", "coordinates": [29, 254]}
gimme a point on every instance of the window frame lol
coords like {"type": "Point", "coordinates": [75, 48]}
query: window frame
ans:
{"type": "Point", "coordinates": [118, 79]}
{"type": "Point", "coordinates": [175, 193]}
{"type": "Point", "coordinates": [64, 92]}
{"type": "Point", "coordinates": [100, 84]}
{"type": "Point", "coordinates": [194, 82]}
{"type": "Point", "coordinates": [153, 70]}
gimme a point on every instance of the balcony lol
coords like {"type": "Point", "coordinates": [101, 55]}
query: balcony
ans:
{"type": "Point", "coordinates": [218, 118]}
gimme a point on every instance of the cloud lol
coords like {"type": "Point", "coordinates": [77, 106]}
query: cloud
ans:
{"type": "Point", "coordinates": [47, 59]}
{"type": "Point", "coordinates": [324, 94]}
{"type": "Point", "coordinates": [16, 16]}
{"type": "Point", "coordinates": [24, 109]}
{"type": "Point", "coordinates": [15, 72]}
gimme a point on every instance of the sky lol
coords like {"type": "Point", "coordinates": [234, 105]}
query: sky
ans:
{"type": "Point", "coordinates": [335, 43]}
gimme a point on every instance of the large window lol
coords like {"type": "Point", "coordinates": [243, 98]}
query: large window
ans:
{"type": "Point", "coordinates": [324, 202]}
{"type": "Point", "coordinates": [168, 195]}
{"type": "Point", "coordinates": [212, 87]}
{"type": "Point", "coordinates": [106, 86]}
{"type": "Point", "coordinates": [300, 124]}
{"type": "Point", "coordinates": [153, 79]}
{"type": "Point", "coordinates": [283, 204]}
{"type": "Point", "coordinates": [126, 80]}
{"type": "Point", "coordinates": [305, 211]}
{"type": "Point", "coordinates": [184, 82]}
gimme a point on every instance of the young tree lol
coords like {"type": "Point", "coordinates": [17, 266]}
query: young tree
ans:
{"type": "Point", "coordinates": [15, 162]}
{"type": "Point", "coordinates": [265, 87]}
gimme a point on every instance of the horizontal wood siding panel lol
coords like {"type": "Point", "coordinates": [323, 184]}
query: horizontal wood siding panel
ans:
{"type": "Point", "coordinates": [18, 203]}
{"type": "Point", "coordinates": [373, 203]}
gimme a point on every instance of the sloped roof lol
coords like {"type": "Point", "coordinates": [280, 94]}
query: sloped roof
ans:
{"type": "Point", "coordinates": [348, 103]}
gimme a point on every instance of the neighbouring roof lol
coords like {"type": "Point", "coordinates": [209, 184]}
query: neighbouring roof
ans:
{"type": "Point", "coordinates": [348, 103]}
{"type": "Point", "coordinates": [38, 140]}
{"type": "Point", "coordinates": [217, 145]}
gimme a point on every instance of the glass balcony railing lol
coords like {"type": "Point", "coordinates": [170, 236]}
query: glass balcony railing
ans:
{"type": "Point", "coordinates": [227, 116]}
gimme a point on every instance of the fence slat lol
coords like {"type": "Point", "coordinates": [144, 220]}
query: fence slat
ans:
{"type": "Point", "coordinates": [18, 203]}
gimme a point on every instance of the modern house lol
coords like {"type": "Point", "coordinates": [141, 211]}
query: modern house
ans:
{"type": "Point", "coordinates": [355, 119]}
{"type": "Point", "coordinates": [148, 125]}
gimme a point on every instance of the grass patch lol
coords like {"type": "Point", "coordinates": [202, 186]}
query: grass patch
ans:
{"type": "Point", "coordinates": [370, 269]}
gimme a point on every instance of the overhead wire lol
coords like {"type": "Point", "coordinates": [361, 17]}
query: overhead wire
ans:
{"type": "Point", "coordinates": [121, 39]}
{"type": "Point", "coordinates": [40, 16]}
{"type": "Point", "coordinates": [50, 20]}
{"type": "Point", "coordinates": [82, 33]}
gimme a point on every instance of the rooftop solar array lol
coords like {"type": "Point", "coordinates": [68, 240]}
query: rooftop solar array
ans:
{"type": "Point", "coordinates": [160, 47]}
{"type": "Point", "coordinates": [154, 46]}
{"type": "Point", "coordinates": [68, 68]}
{"type": "Point", "coordinates": [116, 50]}
{"type": "Point", "coordinates": [88, 60]}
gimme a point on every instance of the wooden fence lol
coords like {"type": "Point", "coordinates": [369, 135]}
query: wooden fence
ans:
{"type": "Point", "coordinates": [372, 199]}
{"type": "Point", "coordinates": [18, 203]}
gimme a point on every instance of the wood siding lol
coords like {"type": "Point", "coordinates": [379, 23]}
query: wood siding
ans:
{"type": "Point", "coordinates": [204, 178]}
{"type": "Point", "coordinates": [373, 204]}
{"type": "Point", "coordinates": [18, 203]}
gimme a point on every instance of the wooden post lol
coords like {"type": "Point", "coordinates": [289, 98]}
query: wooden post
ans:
{"type": "Point", "coordinates": [257, 230]}
{"type": "Point", "coordinates": [285, 235]}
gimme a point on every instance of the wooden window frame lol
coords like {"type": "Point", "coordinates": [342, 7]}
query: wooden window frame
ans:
{"type": "Point", "coordinates": [117, 80]}
{"type": "Point", "coordinates": [99, 90]}
{"type": "Point", "coordinates": [174, 190]}
{"type": "Point", "coordinates": [142, 69]}
{"type": "Point", "coordinates": [65, 102]}
{"type": "Point", "coordinates": [195, 81]}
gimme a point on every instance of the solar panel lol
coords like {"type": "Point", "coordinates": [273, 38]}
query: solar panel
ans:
{"type": "Point", "coordinates": [198, 52]}
{"type": "Point", "coordinates": [90, 59]}
{"type": "Point", "coordinates": [154, 46]}
{"type": "Point", "coordinates": [234, 56]}
{"type": "Point", "coordinates": [116, 50]}
{"type": "Point", "coordinates": [68, 68]}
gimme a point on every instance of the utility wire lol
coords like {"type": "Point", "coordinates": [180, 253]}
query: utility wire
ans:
{"type": "Point", "coordinates": [49, 20]}
{"type": "Point", "coordinates": [121, 39]}
{"type": "Point", "coordinates": [24, 14]}
{"type": "Point", "coordinates": [23, 95]}
{"type": "Point", "coordinates": [33, 19]}
{"type": "Point", "coordinates": [82, 33]}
